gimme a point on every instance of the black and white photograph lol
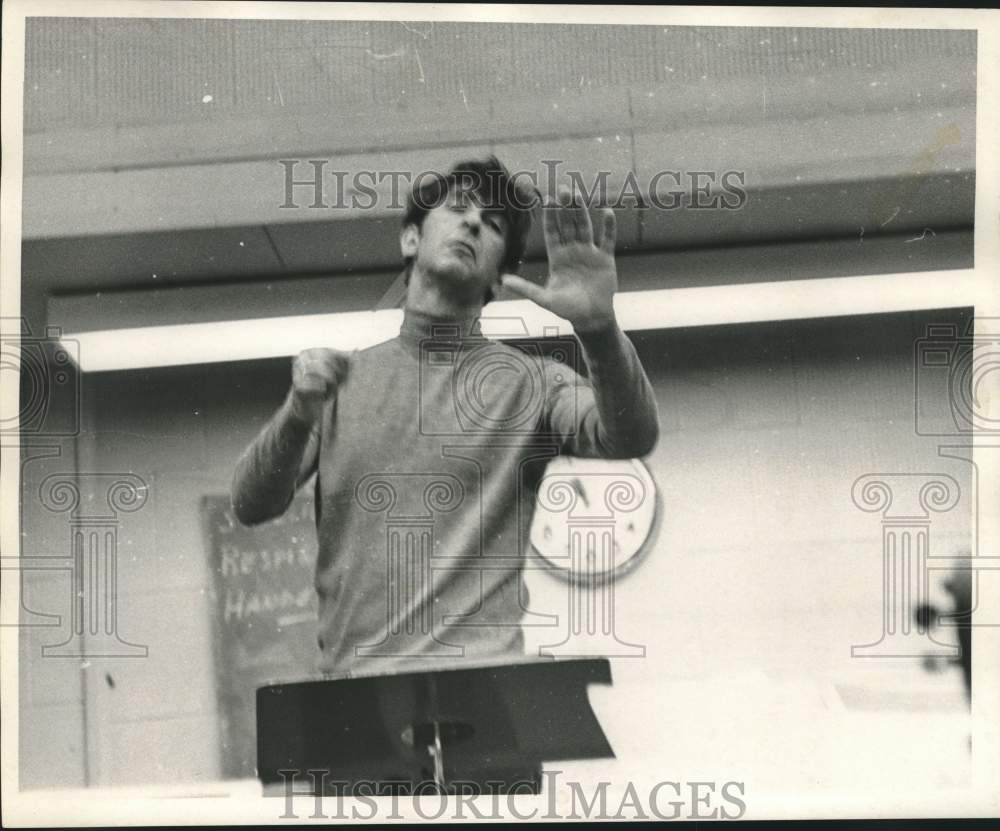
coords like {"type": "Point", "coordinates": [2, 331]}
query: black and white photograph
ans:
{"type": "Point", "coordinates": [492, 412]}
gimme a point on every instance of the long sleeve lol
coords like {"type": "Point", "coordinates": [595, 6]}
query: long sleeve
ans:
{"type": "Point", "coordinates": [612, 415]}
{"type": "Point", "coordinates": [272, 468]}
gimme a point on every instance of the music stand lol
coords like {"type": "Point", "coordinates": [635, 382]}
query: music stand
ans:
{"type": "Point", "coordinates": [476, 729]}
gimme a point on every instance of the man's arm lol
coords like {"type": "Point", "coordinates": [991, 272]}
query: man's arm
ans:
{"type": "Point", "coordinates": [272, 468]}
{"type": "Point", "coordinates": [285, 453]}
{"type": "Point", "coordinates": [615, 415]}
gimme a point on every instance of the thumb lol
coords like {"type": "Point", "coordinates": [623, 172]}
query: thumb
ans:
{"type": "Point", "coordinates": [524, 287]}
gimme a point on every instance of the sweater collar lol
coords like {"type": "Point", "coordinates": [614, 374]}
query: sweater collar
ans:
{"type": "Point", "coordinates": [419, 326]}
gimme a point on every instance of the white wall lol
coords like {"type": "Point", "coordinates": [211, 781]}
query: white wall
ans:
{"type": "Point", "coordinates": [763, 576]}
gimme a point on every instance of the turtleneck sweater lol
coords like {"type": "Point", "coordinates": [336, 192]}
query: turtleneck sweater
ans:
{"type": "Point", "coordinates": [427, 463]}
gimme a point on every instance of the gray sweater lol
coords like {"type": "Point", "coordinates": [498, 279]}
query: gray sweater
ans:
{"type": "Point", "coordinates": [428, 460]}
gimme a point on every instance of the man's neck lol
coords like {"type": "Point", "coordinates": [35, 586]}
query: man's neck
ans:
{"type": "Point", "coordinates": [429, 298]}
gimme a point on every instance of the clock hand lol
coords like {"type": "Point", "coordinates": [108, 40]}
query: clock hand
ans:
{"type": "Point", "coordinates": [578, 487]}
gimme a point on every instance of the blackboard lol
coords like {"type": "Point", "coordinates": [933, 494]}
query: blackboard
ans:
{"type": "Point", "coordinates": [263, 601]}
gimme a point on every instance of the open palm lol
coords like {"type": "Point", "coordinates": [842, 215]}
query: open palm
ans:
{"type": "Point", "coordinates": [582, 277]}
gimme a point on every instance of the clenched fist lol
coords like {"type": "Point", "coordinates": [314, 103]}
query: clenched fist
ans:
{"type": "Point", "coordinates": [316, 375]}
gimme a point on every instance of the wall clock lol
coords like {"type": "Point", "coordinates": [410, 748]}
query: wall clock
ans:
{"type": "Point", "coordinates": [594, 518]}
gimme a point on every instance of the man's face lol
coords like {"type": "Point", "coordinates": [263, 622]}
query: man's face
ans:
{"type": "Point", "coordinates": [460, 241]}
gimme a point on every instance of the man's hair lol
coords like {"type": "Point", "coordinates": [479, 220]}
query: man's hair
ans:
{"type": "Point", "coordinates": [490, 181]}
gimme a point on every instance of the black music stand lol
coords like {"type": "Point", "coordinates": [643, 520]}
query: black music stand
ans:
{"type": "Point", "coordinates": [474, 729]}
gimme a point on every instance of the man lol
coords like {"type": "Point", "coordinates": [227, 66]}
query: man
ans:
{"type": "Point", "coordinates": [429, 448]}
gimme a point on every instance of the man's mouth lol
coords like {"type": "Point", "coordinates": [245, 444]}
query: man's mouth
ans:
{"type": "Point", "coordinates": [466, 247]}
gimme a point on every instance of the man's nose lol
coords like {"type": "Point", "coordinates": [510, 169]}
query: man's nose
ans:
{"type": "Point", "coordinates": [473, 220]}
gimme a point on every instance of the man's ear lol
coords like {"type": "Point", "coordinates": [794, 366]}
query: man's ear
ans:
{"type": "Point", "coordinates": [409, 240]}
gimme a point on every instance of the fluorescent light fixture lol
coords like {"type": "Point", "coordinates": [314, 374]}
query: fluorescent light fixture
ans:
{"type": "Point", "coordinates": [273, 337]}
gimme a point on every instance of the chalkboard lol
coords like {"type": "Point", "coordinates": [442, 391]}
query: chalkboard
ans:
{"type": "Point", "coordinates": [264, 603]}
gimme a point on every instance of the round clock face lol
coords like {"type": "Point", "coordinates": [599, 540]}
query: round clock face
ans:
{"type": "Point", "coordinates": [594, 517]}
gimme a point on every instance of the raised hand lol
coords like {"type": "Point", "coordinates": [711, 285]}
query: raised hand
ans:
{"type": "Point", "coordinates": [582, 278]}
{"type": "Point", "coordinates": [316, 375]}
